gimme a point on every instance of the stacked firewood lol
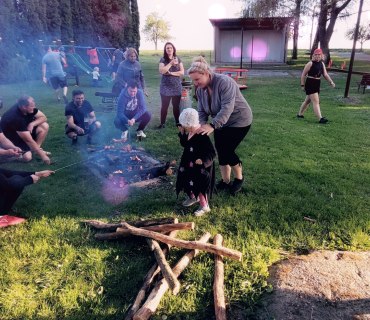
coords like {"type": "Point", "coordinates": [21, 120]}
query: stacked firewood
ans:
{"type": "Point", "coordinates": [165, 230]}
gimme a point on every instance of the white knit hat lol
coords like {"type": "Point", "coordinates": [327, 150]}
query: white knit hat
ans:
{"type": "Point", "coordinates": [189, 118]}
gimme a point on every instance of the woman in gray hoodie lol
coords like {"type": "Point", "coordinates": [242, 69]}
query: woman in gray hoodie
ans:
{"type": "Point", "coordinates": [231, 118]}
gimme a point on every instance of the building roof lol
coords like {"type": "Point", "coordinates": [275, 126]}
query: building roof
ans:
{"type": "Point", "coordinates": [274, 23]}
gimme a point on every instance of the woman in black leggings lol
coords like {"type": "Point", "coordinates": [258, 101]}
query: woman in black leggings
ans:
{"type": "Point", "coordinates": [219, 97]}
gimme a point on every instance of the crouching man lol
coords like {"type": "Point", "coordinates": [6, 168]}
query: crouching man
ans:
{"type": "Point", "coordinates": [131, 108]}
{"type": "Point", "coordinates": [81, 118]}
{"type": "Point", "coordinates": [26, 127]}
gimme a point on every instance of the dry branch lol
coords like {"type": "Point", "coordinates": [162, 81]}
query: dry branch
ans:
{"type": "Point", "coordinates": [124, 232]}
{"type": "Point", "coordinates": [233, 254]}
{"type": "Point", "coordinates": [152, 273]}
{"type": "Point", "coordinates": [218, 283]}
{"type": "Point", "coordinates": [140, 223]}
{"type": "Point", "coordinates": [167, 273]}
{"type": "Point", "coordinates": [155, 296]}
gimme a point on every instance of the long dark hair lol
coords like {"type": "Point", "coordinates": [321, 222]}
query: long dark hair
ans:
{"type": "Point", "coordinates": [165, 55]}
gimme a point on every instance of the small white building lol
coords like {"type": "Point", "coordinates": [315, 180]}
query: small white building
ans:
{"type": "Point", "coordinates": [251, 41]}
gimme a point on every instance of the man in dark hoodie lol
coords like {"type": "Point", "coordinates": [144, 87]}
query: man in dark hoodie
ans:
{"type": "Point", "coordinates": [131, 108]}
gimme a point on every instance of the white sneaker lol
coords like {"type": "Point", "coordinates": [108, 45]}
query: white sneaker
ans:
{"type": "Point", "coordinates": [124, 135]}
{"type": "Point", "coordinates": [190, 201]}
{"type": "Point", "coordinates": [141, 134]}
{"type": "Point", "coordinates": [202, 210]}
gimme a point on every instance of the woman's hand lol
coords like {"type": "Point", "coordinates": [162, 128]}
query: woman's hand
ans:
{"type": "Point", "coordinates": [44, 173]}
{"type": "Point", "coordinates": [205, 129]}
{"type": "Point", "coordinates": [198, 161]}
{"type": "Point", "coordinates": [332, 84]}
{"type": "Point", "coordinates": [35, 178]}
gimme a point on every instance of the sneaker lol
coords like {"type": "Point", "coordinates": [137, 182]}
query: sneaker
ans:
{"type": "Point", "coordinates": [221, 185]}
{"type": "Point", "coordinates": [190, 201]}
{"type": "Point", "coordinates": [323, 120]}
{"type": "Point", "coordinates": [202, 210]}
{"type": "Point", "coordinates": [74, 140]}
{"type": "Point", "coordinates": [124, 135]}
{"type": "Point", "coordinates": [140, 134]}
{"type": "Point", "coordinates": [161, 126]}
{"type": "Point", "coordinates": [300, 116]}
{"type": "Point", "coordinates": [236, 186]}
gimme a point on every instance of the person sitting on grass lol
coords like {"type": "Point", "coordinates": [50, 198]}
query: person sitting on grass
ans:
{"type": "Point", "coordinates": [81, 118]}
{"type": "Point", "coordinates": [26, 127]}
{"type": "Point", "coordinates": [196, 174]}
{"type": "Point", "coordinates": [131, 108]}
{"type": "Point", "coordinates": [12, 184]}
{"type": "Point", "coordinates": [8, 151]}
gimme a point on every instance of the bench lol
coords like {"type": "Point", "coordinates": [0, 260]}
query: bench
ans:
{"type": "Point", "coordinates": [364, 83]}
{"type": "Point", "coordinates": [238, 74]}
{"type": "Point", "coordinates": [108, 100]}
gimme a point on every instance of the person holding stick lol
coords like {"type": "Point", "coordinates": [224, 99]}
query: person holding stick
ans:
{"type": "Point", "coordinates": [12, 184]}
{"type": "Point", "coordinates": [310, 82]}
{"type": "Point", "coordinates": [80, 118]}
{"type": "Point", "coordinates": [26, 127]}
{"type": "Point", "coordinates": [8, 151]}
{"type": "Point", "coordinates": [131, 109]}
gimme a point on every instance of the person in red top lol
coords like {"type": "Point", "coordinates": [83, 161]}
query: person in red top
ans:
{"type": "Point", "coordinates": [93, 54]}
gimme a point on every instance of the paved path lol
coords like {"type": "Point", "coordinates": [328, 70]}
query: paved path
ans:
{"type": "Point", "coordinates": [347, 55]}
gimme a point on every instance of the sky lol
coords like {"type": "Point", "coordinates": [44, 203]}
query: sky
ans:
{"type": "Point", "coordinates": [191, 30]}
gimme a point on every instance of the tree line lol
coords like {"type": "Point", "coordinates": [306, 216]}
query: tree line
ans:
{"type": "Point", "coordinates": [27, 24]}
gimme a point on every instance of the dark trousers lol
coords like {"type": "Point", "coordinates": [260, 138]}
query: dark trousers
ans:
{"type": "Point", "coordinates": [226, 141]}
{"type": "Point", "coordinates": [175, 106]}
{"type": "Point", "coordinates": [143, 121]}
{"type": "Point", "coordinates": [10, 194]}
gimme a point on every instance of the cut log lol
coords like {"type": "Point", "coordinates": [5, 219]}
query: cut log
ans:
{"type": "Point", "coordinates": [167, 273]}
{"type": "Point", "coordinates": [230, 253]}
{"type": "Point", "coordinates": [124, 232]}
{"type": "Point", "coordinates": [152, 273]}
{"type": "Point", "coordinates": [140, 223]}
{"type": "Point", "coordinates": [218, 283]}
{"type": "Point", "coordinates": [155, 296]}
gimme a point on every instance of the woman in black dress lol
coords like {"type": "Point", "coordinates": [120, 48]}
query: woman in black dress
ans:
{"type": "Point", "coordinates": [310, 82]}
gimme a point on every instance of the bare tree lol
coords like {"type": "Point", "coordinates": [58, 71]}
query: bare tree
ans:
{"type": "Point", "coordinates": [363, 34]}
{"type": "Point", "coordinates": [156, 29]}
{"type": "Point", "coordinates": [330, 11]}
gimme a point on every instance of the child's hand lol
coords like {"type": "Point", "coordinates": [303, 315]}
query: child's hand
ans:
{"type": "Point", "coordinates": [198, 161]}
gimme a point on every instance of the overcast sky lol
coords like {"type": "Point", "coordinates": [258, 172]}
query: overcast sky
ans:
{"type": "Point", "coordinates": [191, 29]}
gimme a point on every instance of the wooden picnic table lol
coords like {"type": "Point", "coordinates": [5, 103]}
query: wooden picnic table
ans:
{"type": "Point", "coordinates": [238, 74]}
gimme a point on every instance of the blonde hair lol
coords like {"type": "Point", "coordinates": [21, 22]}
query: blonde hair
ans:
{"type": "Point", "coordinates": [130, 51]}
{"type": "Point", "coordinates": [199, 65]}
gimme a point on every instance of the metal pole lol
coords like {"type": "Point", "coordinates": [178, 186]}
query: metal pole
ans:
{"type": "Point", "coordinates": [252, 53]}
{"type": "Point", "coordinates": [353, 51]}
{"type": "Point", "coordinates": [241, 51]}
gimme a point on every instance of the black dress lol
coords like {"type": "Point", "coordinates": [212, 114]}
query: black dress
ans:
{"type": "Point", "coordinates": [313, 85]}
{"type": "Point", "coordinates": [193, 178]}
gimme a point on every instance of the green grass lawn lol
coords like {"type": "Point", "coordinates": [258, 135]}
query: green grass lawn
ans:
{"type": "Point", "coordinates": [52, 268]}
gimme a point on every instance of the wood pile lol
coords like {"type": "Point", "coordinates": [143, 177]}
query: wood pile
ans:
{"type": "Point", "coordinates": [165, 230]}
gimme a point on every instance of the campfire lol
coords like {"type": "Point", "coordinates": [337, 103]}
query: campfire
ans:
{"type": "Point", "coordinates": [123, 165]}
